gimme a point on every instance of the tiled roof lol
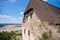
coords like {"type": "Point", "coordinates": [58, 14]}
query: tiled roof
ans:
{"type": "Point", "coordinates": [45, 11]}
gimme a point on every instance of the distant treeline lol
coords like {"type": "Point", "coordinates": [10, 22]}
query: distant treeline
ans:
{"type": "Point", "coordinates": [18, 25]}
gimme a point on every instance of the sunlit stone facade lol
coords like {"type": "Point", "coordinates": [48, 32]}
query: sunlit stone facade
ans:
{"type": "Point", "coordinates": [40, 17]}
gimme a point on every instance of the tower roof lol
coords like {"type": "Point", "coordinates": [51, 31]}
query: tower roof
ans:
{"type": "Point", "coordinates": [44, 11]}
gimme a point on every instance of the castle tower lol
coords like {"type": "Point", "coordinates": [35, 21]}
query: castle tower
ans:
{"type": "Point", "coordinates": [37, 12]}
{"type": "Point", "coordinates": [44, 9]}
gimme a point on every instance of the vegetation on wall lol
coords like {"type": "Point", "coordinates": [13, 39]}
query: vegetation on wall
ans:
{"type": "Point", "coordinates": [46, 36]}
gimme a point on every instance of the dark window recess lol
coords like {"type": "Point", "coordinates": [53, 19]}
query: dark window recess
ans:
{"type": "Point", "coordinates": [24, 31]}
{"type": "Point", "coordinates": [24, 20]}
{"type": "Point", "coordinates": [29, 32]}
{"type": "Point", "coordinates": [31, 13]}
{"type": "Point", "coordinates": [58, 27]}
{"type": "Point", "coordinates": [26, 16]}
{"type": "Point", "coordinates": [57, 24]}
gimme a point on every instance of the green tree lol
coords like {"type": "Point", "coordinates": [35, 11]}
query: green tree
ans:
{"type": "Point", "coordinates": [7, 36]}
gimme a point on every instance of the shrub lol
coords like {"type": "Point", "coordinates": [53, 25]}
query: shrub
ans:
{"type": "Point", "coordinates": [46, 36]}
{"type": "Point", "coordinates": [7, 36]}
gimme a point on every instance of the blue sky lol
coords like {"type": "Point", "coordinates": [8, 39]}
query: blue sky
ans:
{"type": "Point", "coordinates": [55, 3]}
{"type": "Point", "coordinates": [11, 11]}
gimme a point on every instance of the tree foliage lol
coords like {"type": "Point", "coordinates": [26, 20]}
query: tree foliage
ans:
{"type": "Point", "coordinates": [7, 36]}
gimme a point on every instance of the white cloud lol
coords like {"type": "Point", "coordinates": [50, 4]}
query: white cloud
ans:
{"type": "Point", "coordinates": [45, 0]}
{"type": "Point", "coordinates": [3, 16]}
{"type": "Point", "coordinates": [21, 13]}
{"type": "Point", "coordinates": [9, 19]}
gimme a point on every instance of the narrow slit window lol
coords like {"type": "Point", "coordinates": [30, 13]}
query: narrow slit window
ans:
{"type": "Point", "coordinates": [24, 31]}
{"type": "Point", "coordinates": [29, 32]}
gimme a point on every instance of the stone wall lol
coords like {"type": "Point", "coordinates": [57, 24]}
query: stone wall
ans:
{"type": "Point", "coordinates": [37, 28]}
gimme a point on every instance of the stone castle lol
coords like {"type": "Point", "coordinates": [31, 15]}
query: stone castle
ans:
{"type": "Point", "coordinates": [41, 21]}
